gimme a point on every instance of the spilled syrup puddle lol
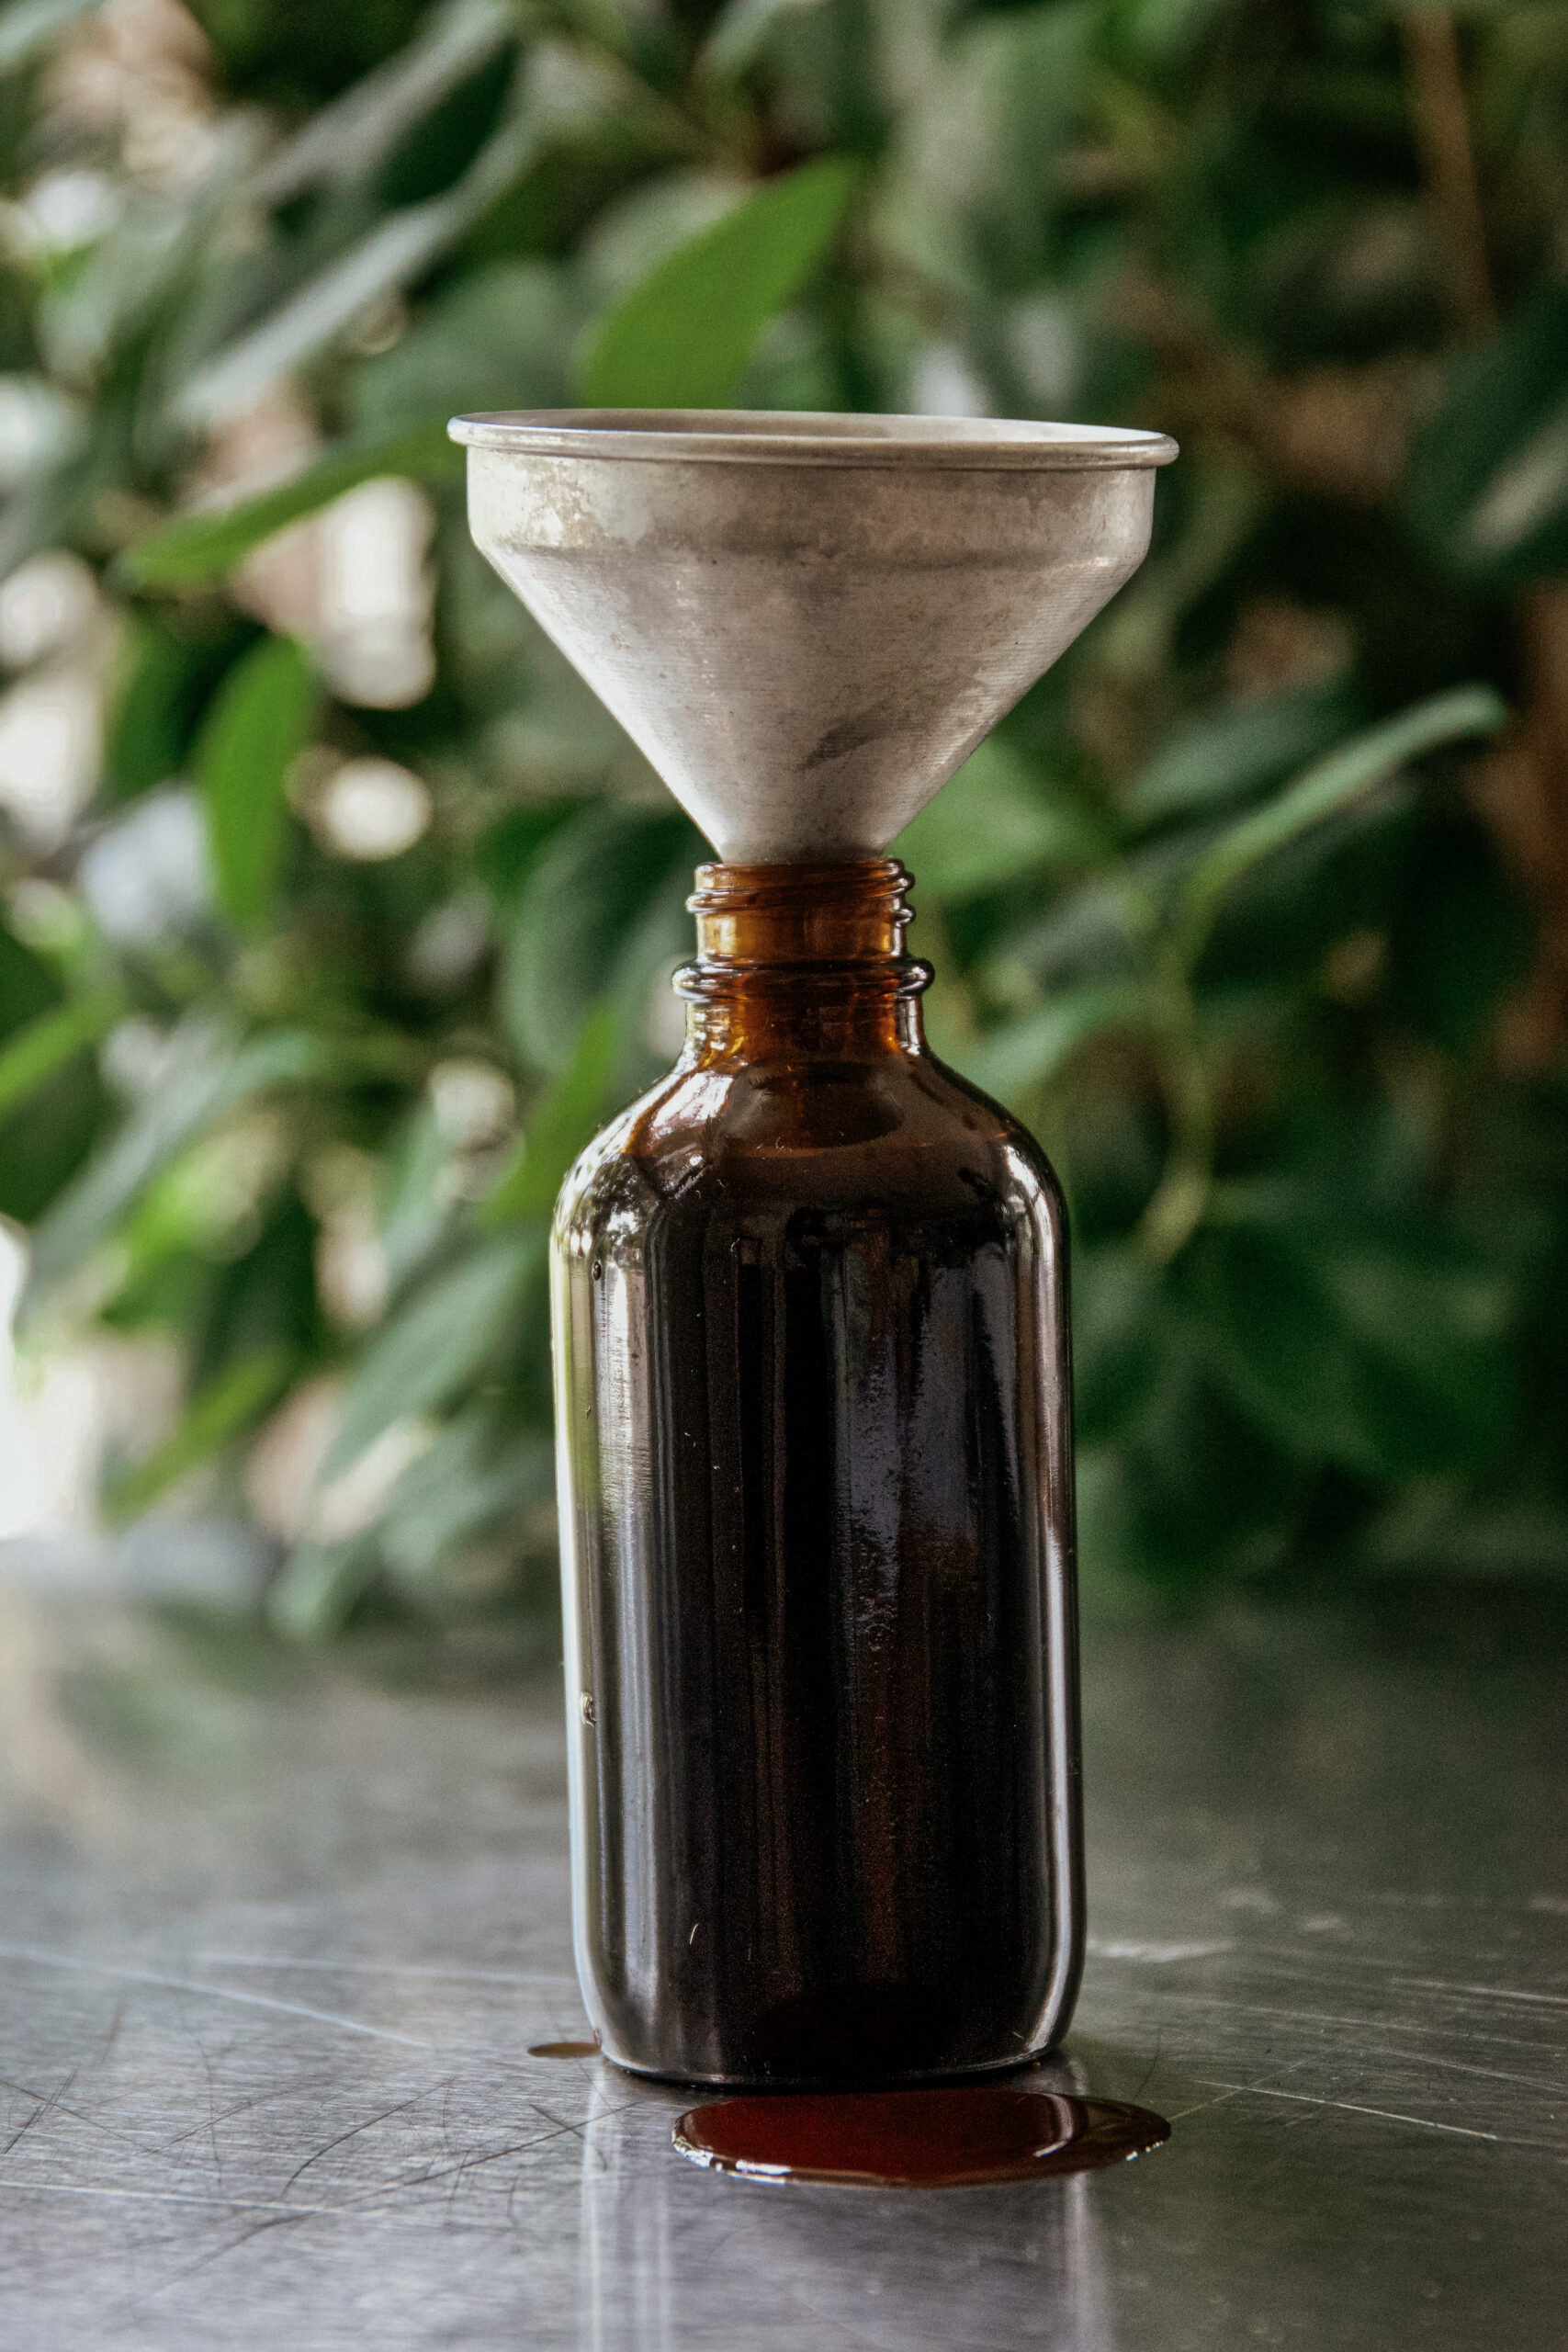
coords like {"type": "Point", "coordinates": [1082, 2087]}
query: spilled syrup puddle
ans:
{"type": "Point", "coordinates": [933, 2138]}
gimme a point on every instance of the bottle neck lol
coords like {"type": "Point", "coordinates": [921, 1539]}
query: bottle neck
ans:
{"type": "Point", "coordinates": [801, 962]}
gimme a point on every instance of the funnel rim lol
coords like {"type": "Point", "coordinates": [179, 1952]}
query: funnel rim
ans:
{"type": "Point", "coordinates": [813, 437]}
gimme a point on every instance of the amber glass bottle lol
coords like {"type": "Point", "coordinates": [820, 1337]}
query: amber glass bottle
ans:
{"type": "Point", "coordinates": [815, 1476]}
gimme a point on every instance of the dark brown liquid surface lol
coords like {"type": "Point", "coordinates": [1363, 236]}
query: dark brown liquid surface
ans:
{"type": "Point", "coordinates": [563, 2050]}
{"type": "Point", "coordinates": [933, 2138]}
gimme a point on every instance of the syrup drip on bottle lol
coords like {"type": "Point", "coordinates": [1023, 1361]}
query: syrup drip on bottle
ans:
{"type": "Point", "coordinates": [919, 2139]}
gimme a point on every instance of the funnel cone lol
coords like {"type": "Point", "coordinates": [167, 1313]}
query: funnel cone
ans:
{"type": "Point", "coordinates": [806, 623]}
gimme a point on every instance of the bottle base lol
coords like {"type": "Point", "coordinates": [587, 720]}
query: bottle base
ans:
{"type": "Point", "coordinates": [924, 2078]}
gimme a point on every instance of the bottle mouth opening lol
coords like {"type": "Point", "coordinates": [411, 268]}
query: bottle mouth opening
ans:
{"type": "Point", "coordinates": [839, 881]}
{"type": "Point", "coordinates": [817, 437]}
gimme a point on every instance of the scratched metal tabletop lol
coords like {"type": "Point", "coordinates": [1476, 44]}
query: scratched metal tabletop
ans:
{"type": "Point", "coordinates": [276, 1936]}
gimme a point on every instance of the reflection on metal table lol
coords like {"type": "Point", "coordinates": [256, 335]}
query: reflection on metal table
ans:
{"type": "Point", "coordinates": [277, 1936]}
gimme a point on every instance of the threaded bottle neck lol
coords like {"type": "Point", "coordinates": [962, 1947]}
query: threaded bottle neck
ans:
{"type": "Point", "coordinates": [802, 960]}
{"type": "Point", "coordinates": [851, 911]}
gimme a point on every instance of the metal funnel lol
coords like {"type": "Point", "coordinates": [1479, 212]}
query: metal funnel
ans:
{"type": "Point", "coordinates": [807, 622]}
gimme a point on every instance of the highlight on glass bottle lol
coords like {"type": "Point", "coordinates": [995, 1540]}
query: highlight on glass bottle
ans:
{"type": "Point", "coordinates": [813, 1399]}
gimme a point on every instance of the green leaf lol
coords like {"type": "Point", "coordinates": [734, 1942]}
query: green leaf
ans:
{"type": "Point", "coordinates": [229, 1404]}
{"type": "Point", "coordinates": [499, 337]}
{"type": "Point", "coordinates": [321, 1586]}
{"type": "Point", "coordinates": [1190, 1488]}
{"type": "Point", "coordinates": [348, 138]}
{"type": "Point", "coordinates": [145, 736]}
{"type": "Point", "coordinates": [991, 824]}
{"type": "Point", "coordinates": [565, 1120]}
{"type": "Point", "coordinates": [1031, 1051]}
{"type": "Point", "coordinates": [1380, 1355]}
{"type": "Point", "coordinates": [505, 855]}
{"type": "Point", "coordinates": [1487, 486]}
{"type": "Point", "coordinates": [601, 908]}
{"type": "Point", "coordinates": [470, 1477]}
{"type": "Point", "coordinates": [435, 1344]}
{"type": "Point", "coordinates": [1234, 752]}
{"type": "Point", "coordinates": [264, 1299]}
{"type": "Point", "coordinates": [1440, 1526]}
{"type": "Point", "coordinates": [44, 1148]}
{"type": "Point", "coordinates": [417, 1205]}
{"type": "Point", "coordinates": [208, 1076]}
{"type": "Point", "coordinates": [1162, 31]}
{"type": "Point", "coordinates": [258, 725]}
{"type": "Point", "coordinates": [195, 548]}
{"type": "Point", "coordinates": [27, 985]}
{"type": "Point", "coordinates": [1332, 785]}
{"type": "Point", "coordinates": [31, 1057]}
{"type": "Point", "coordinates": [65, 1104]}
{"type": "Point", "coordinates": [1122, 1319]}
{"type": "Point", "coordinates": [391, 256]}
{"type": "Point", "coordinates": [741, 29]}
{"type": "Point", "coordinates": [1023, 87]}
{"type": "Point", "coordinates": [682, 338]}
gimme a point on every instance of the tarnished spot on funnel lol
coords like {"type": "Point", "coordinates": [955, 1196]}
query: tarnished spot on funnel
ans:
{"type": "Point", "coordinates": [806, 622]}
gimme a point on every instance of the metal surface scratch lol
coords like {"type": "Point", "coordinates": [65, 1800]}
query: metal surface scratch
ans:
{"type": "Point", "coordinates": [32, 1957]}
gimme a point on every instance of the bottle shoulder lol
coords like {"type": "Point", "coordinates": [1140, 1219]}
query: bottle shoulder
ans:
{"type": "Point", "coordinates": [903, 1129]}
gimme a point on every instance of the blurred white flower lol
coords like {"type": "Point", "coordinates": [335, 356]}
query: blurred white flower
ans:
{"type": "Point", "coordinates": [67, 209]}
{"type": "Point", "coordinates": [280, 1477]}
{"type": "Point", "coordinates": [369, 809]}
{"type": "Point", "coordinates": [352, 583]}
{"type": "Point", "coordinates": [45, 605]}
{"type": "Point", "coordinates": [136, 1056]}
{"type": "Point", "coordinates": [474, 1103]}
{"type": "Point", "coordinates": [51, 731]}
{"type": "Point", "coordinates": [61, 1411]}
{"type": "Point", "coordinates": [449, 945]}
{"type": "Point", "coordinates": [281, 1467]}
{"type": "Point", "coordinates": [355, 1502]}
{"type": "Point", "coordinates": [352, 1275]}
{"type": "Point", "coordinates": [45, 916]}
{"type": "Point", "coordinates": [140, 69]}
{"type": "Point", "coordinates": [248, 452]}
{"type": "Point", "coordinates": [39, 427]}
{"type": "Point", "coordinates": [150, 876]}
{"type": "Point", "coordinates": [375, 595]}
{"type": "Point", "coordinates": [943, 383]}
{"type": "Point", "coordinates": [377, 328]}
{"type": "Point", "coordinates": [52, 720]}
{"type": "Point", "coordinates": [1045, 343]}
{"type": "Point", "coordinates": [256, 446]}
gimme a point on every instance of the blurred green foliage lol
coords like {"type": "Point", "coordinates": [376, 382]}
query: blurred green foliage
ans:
{"type": "Point", "coordinates": [314, 980]}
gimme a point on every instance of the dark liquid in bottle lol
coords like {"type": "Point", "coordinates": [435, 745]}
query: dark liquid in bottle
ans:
{"type": "Point", "coordinates": [924, 2138]}
{"type": "Point", "coordinates": [815, 1394]}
